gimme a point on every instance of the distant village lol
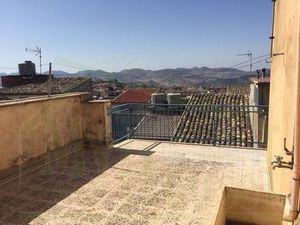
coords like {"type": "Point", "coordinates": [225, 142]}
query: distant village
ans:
{"type": "Point", "coordinates": [28, 83]}
{"type": "Point", "coordinates": [247, 128]}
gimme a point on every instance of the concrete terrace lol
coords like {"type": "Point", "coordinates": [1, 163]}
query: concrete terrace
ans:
{"type": "Point", "coordinates": [136, 182]}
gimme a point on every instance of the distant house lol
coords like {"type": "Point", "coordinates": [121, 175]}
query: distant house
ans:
{"type": "Point", "coordinates": [260, 95]}
{"type": "Point", "coordinates": [28, 84]}
{"type": "Point", "coordinates": [260, 91]}
{"type": "Point", "coordinates": [106, 90]}
{"type": "Point", "coordinates": [135, 95]}
{"type": "Point", "coordinates": [55, 86]}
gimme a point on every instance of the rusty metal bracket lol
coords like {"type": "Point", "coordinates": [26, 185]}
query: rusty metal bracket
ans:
{"type": "Point", "coordinates": [277, 54]}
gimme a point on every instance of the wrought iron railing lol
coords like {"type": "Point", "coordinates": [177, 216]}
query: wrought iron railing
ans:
{"type": "Point", "coordinates": [230, 125]}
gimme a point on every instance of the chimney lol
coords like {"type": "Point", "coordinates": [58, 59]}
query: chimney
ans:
{"type": "Point", "coordinates": [263, 72]}
{"type": "Point", "coordinates": [27, 69]}
{"type": "Point", "coordinates": [258, 74]}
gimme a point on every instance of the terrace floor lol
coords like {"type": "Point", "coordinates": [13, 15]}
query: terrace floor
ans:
{"type": "Point", "coordinates": [137, 182]}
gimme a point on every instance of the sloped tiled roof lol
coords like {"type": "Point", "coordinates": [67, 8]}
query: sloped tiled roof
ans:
{"type": "Point", "coordinates": [214, 123]}
{"type": "Point", "coordinates": [138, 95]}
{"type": "Point", "coordinates": [261, 80]}
{"type": "Point", "coordinates": [57, 86]}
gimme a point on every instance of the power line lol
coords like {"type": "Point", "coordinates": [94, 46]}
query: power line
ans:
{"type": "Point", "coordinates": [250, 55]}
{"type": "Point", "coordinates": [258, 57]}
{"type": "Point", "coordinates": [72, 67]}
{"type": "Point", "coordinates": [8, 68]}
{"type": "Point", "coordinates": [14, 68]}
{"type": "Point", "coordinates": [253, 63]}
{"type": "Point", "coordinates": [237, 66]}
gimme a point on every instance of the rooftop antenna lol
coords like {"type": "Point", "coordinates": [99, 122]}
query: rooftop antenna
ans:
{"type": "Point", "coordinates": [250, 55]}
{"type": "Point", "coordinates": [38, 52]}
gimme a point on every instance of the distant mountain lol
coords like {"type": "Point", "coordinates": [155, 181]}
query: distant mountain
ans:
{"type": "Point", "coordinates": [58, 73]}
{"type": "Point", "coordinates": [169, 77]}
{"type": "Point", "coordinates": [175, 77]}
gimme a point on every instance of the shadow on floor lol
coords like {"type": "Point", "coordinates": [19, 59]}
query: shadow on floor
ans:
{"type": "Point", "coordinates": [28, 196]}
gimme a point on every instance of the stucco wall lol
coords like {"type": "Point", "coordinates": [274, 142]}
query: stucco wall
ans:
{"type": "Point", "coordinates": [283, 88]}
{"type": "Point", "coordinates": [242, 206]}
{"type": "Point", "coordinates": [31, 128]}
{"type": "Point", "coordinates": [97, 122]}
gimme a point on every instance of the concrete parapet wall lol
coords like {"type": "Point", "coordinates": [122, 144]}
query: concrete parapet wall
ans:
{"type": "Point", "coordinates": [240, 206]}
{"type": "Point", "coordinates": [33, 127]}
{"type": "Point", "coordinates": [97, 122]}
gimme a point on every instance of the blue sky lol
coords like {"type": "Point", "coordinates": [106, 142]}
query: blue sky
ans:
{"type": "Point", "coordinates": [120, 34]}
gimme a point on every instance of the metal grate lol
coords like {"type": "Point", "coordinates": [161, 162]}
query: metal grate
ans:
{"type": "Point", "coordinates": [231, 125]}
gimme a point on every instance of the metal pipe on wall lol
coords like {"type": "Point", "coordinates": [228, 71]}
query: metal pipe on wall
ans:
{"type": "Point", "coordinates": [273, 23]}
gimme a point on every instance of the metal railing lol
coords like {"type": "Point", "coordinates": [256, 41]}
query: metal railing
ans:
{"type": "Point", "coordinates": [230, 125]}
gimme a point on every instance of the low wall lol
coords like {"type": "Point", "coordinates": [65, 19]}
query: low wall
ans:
{"type": "Point", "coordinates": [97, 122]}
{"type": "Point", "coordinates": [31, 128]}
{"type": "Point", "coordinates": [240, 206]}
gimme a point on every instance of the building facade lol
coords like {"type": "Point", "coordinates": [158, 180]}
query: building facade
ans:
{"type": "Point", "coordinates": [283, 89]}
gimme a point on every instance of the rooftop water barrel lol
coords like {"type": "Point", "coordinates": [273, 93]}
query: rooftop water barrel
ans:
{"type": "Point", "coordinates": [159, 98]}
{"type": "Point", "coordinates": [174, 98]}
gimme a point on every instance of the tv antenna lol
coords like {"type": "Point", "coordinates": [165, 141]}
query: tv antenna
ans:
{"type": "Point", "coordinates": [250, 55]}
{"type": "Point", "coordinates": [38, 52]}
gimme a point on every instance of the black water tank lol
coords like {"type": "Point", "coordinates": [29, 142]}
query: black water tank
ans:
{"type": "Point", "coordinates": [27, 69]}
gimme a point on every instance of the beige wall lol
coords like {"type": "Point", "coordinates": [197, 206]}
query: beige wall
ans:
{"type": "Point", "coordinates": [31, 128]}
{"type": "Point", "coordinates": [250, 207]}
{"type": "Point", "coordinates": [97, 123]}
{"type": "Point", "coordinates": [283, 87]}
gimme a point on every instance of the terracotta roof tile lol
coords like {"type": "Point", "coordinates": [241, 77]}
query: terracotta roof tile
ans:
{"type": "Point", "coordinates": [58, 86]}
{"type": "Point", "coordinates": [261, 80]}
{"type": "Point", "coordinates": [219, 126]}
{"type": "Point", "coordinates": [138, 95]}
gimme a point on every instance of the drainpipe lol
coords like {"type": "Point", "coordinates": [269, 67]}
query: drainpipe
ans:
{"type": "Point", "coordinates": [273, 24]}
{"type": "Point", "coordinates": [294, 209]}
